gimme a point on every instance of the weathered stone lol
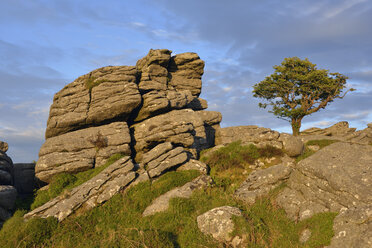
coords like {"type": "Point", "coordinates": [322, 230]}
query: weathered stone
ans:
{"type": "Point", "coordinates": [24, 177]}
{"type": "Point", "coordinates": [218, 222]}
{"type": "Point", "coordinates": [161, 203]}
{"type": "Point", "coordinates": [97, 190]}
{"type": "Point", "coordinates": [8, 195]}
{"type": "Point", "coordinates": [260, 182]}
{"type": "Point", "coordinates": [334, 178]}
{"type": "Point", "coordinates": [198, 104]}
{"type": "Point", "coordinates": [292, 145]}
{"type": "Point", "coordinates": [156, 152]}
{"type": "Point", "coordinates": [166, 161]}
{"type": "Point", "coordinates": [114, 95]}
{"type": "Point", "coordinates": [339, 129]}
{"type": "Point", "coordinates": [353, 228]}
{"type": "Point", "coordinates": [3, 146]}
{"type": "Point", "coordinates": [193, 164]}
{"type": "Point", "coordinates": [155, 57]}
{"type": "Point", "coordinates": [180, 127]}
{"type": "Point", "coordinates": [82, 149]}
{"type": "Point", "coordinates": [186, 70]}
{"type": "Point", "coordinates": [6, 163]}
{"type": "Point", "coordinates": [253, 134]}
{"type": "Point", "coordinates": [158, 102]}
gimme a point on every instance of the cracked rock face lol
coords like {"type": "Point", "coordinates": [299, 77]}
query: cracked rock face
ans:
{"type": "Point", "coordinates": [97, 190]}
{"type": "Point", "coordinates": [218, 222]}
{"type": "Point", "coordinates": [114, 95]}
{"type": "Point", "coordinates": [81, 150]}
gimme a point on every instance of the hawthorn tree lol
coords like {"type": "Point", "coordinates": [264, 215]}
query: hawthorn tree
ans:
{"type": "Point", "coordinates": [298, 88]}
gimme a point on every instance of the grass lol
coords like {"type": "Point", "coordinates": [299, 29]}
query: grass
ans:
{"type": "Point", "coordinates": [119, 222]}
{"type": "Point", "coordinates": [65, 181]}
{"type": "Point", "coordinates": [308, 152]}
{"type": "Point", "coordinates": [230, 164]}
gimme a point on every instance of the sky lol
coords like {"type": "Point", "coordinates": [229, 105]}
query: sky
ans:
{"type": "Point", "coordinates": [46, 44]}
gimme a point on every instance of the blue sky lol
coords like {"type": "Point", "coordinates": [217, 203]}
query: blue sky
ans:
{"type": "Point", "coordinates": [46, 44]}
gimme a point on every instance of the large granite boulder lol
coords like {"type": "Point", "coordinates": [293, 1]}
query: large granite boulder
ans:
{"type": "Point", "coordinates": [186, 70]}
{"type": "Point", "coordinates": [82, 149]}
{"type": "Point", "coordinates": [104, 94]}
{"type": "Point", "coordinates": [97, 190]}
{"type": "Point", "coordinates": [336, 179]}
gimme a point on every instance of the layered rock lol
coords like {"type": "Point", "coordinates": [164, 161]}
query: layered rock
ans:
{"type": "Point", "coordinates": [104, 94]}
{"type": "Point", "coordinates": [97, 190]}
{"type": "Point", "coordinates": [82, 149]}
{"type": "Point", "coordinates": [184, 128]}
{"type": "Point", "coordinates": [158, 99]}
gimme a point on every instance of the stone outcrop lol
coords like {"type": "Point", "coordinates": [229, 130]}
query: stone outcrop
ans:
{"type": "Point", "coordinates": [161, 203]}
{"type": "Point", "coordinates": [260, 182]}
{"type": "Point", "coordinates": [336, 179]}
{"type": "Point", "coordinates": [82, 149]}
{"type": "Point", "coordinates": [218, 222]}
{"type": "Point", "coordinates": [154, 102]}
{"type": "Point", "coordinates": [97, 190]}
{"type": "Point", "coordinates": [3, 146]}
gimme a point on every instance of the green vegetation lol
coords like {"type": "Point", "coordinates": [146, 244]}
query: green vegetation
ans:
{"type": "Point", "coordinates": [230, 164]}
{"type": "Point", "coordinates": [65, 181]}
{"type": "Point", "coordinates": [92, 82]}
{"type": "Point", "coordinates": [308, 152]}
{"type": "Point", "coordinates": [119, 222]}
{"type": "Point", "coordinates": [298, 88]}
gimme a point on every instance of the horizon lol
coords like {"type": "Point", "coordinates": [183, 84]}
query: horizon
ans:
{"type": "Point", "coordinates": [48, 44]}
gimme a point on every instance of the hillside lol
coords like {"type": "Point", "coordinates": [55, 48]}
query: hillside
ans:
{"type": "Point", "coordinates": [133, 159]}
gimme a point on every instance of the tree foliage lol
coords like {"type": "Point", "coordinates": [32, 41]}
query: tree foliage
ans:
{"type": "Point", "coordinates": [298, 88]}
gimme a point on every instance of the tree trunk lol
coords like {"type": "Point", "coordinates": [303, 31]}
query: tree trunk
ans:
{"type": "Point", "coordinates": [296, 125]}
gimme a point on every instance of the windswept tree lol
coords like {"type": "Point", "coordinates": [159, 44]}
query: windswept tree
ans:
{"type": "Point", "coordinates": [298, 88]}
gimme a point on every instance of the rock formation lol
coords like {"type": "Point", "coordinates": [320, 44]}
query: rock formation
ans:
{"type": "Point", "coordinates": [8, 193]}
{"type": "Point", "coordinates": [129, 110]}
{"type": "Point", "coordinates": [151, 113]}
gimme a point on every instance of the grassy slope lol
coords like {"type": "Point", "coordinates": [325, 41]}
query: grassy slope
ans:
{"type": "Point", "coordinates": [119, 222]}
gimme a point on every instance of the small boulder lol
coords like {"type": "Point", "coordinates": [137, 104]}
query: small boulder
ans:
{"type": "Point", "coordinates": [292, 145]}
{"type": "Point", "coordinates": [218, 222]}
